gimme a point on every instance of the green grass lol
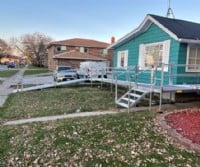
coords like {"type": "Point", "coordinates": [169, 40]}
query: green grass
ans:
{"type": "Point", "coordinates": [111, 140]}
{"type": "Point", "coordinates": [56, 101]}
{"type": "Point", "coordinates": [32, 70]}
{"type": "Point", "coordinates": [8, 73]}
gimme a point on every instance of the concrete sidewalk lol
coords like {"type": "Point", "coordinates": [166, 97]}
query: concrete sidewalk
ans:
{"type": "Point", "coordinates": [57, 117]}
{"type": "Point", "coordinates": [5, 87]}
{"type": "Point", "coordinates": [166, 108]}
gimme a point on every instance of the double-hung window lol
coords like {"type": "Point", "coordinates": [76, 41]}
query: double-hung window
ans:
{"type": "Point", "coordinates": [83, 49]}
{"type": "Point", "coordinates": [154, 54]}
{"type": "Point", "coordinates": [193, 59]}
{"type": "Point", "coordinates": [61, 48]}
{"type": "Point", "coordinates": [122, 58]}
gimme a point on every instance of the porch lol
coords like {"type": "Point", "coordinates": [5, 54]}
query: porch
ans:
{"type": "Point", "coordinates": [166, 78]}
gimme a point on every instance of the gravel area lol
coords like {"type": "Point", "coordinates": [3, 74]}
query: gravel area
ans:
{"type": "Point", "coordinates": [166, 129]}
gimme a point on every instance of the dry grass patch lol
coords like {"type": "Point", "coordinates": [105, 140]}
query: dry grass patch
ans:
{"type": "Point", "coordinates": [112, 140]}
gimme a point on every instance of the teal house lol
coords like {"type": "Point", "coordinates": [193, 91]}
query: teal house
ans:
{"type": "Point", "coordinates": [160, 50]}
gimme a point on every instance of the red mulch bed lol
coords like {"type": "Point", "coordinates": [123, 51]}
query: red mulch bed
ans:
{"type": "Point", "coordinates": [186, 123]}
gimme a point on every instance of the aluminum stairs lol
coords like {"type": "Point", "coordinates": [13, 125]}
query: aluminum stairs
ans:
{"type": "Point", "coordinates": [132, 97]}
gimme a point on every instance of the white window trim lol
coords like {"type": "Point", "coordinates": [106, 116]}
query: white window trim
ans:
{"type": "Point", "coordinates": [62, 48]}
{"type": "Point", "coordinates": [187, 61]}
{"type": "Point", "coordinates": [119, 59]}
{"type": "Point", "coordinates": [165, 54]}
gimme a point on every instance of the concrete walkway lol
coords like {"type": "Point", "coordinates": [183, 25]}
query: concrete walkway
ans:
{"type": "Point", "coordinates": [5, 87]}
{"type": "Point", "coordinates": [57, 117]}
{"type": "Point", "coordinates": [165, 107]}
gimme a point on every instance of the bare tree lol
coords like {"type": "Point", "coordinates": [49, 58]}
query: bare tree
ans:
{"type": "Point", "coordinates": [34, 46]}
{"type": "Point", "coordinates": [4, 48]}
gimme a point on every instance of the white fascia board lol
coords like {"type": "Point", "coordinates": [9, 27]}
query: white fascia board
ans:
{"type": "Point", "coordinates": [143, 27]}
{"type": "Point", "coordinates": [191, 41]}
{"type": "Point", "coordinates": [135, 31]}
{"type": "Point", "coordinates": [171, 34]}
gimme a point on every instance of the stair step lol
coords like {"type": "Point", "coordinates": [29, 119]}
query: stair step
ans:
{"type": "Point", "coordinates": [122, 104]}
{"type": "Point", "coordinates": [127, 99]}
{"type": "Point", "coordinates": [139, 90]}
{"type": "Point", "coordinates": [134, 95]}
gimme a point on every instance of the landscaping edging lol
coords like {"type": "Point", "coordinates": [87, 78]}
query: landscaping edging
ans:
{"type": "Point", "coordinates": [188, 144]}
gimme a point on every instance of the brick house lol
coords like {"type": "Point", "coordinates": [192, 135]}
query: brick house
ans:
{"type": "Point", "coordinates": [4, 59]}
{"type": "Point", "coordinates": [73, 51]}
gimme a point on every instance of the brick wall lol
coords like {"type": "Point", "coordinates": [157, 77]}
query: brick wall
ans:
{"type": "Point", "coordinates": [52, 63]}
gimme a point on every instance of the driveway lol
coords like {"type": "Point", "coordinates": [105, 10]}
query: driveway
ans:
{"type": "Point", "coordinates": [3, 67]}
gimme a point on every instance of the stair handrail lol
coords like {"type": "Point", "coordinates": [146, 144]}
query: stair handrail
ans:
{"type": "Point", "coordinates": [127, 72]}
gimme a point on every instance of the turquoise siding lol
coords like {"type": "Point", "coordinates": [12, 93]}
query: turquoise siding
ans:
{"type": "Point", "coordinates": [178, 54]}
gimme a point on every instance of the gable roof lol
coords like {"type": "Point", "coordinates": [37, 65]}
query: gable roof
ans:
{"type": "Point", "coordinates": [81, 42]}
{"type": "Point", "coordinates": [181, 30]}
{"type": "Point", "coordinates": [78, 56]}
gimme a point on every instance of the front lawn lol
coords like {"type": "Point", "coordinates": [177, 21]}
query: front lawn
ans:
{"type": "Point", "coordinates": [111, 140]}
{"type": "Point", "coordinates": [8, 73]}
{"type": "Point", "coordinates": [56, 101]}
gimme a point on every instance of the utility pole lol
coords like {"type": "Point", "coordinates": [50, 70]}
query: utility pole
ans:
{"type": "Point", "coordinates": [170, 13]}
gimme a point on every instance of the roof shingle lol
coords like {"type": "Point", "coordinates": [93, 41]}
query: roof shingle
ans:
{"type": "Point", "coordinates": [78, 56]}
{"type": "Point", "coordinates": [181, 28]}
{"type": "Point", "coordinates": [81, 42]}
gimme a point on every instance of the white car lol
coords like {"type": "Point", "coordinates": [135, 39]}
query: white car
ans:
{"type": "Point", "coordinates": [63, 73]}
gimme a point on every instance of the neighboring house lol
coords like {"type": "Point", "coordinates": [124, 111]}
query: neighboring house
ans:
{"type": "Point", "coordinates": [160, 40]}
{"type": "Point", "coordinates": [9, 58]}
{"type": "Point", "coordinates": [73, 51]}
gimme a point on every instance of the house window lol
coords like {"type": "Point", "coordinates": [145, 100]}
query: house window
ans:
{"type": "Point", "coordinates": [122, 60]}
{"type": "Point", "coordinates": [104, 52]}
{"type": "Point", "coordinates": [154, 54]}
{"type": "Point", "coordinates": [83, 49]}
{"type": "Point", "coordinates": [193, 59]}
{"type": "Point", "coordinates": [61, 48]}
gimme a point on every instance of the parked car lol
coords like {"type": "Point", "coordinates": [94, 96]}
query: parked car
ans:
{"type": "Point", "coordinates": [63, 73]}
{"type": "Point", "coordinates": [11, 65]}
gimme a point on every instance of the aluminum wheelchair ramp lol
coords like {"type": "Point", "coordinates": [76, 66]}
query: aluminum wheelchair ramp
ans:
{"type": "Point", "coordinates": [55, 84]}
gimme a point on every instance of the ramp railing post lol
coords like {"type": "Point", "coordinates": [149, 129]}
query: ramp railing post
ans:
{"type": "Point", "coordinates": [161, 87]}
{"type": "Point", "coordinates": [112, 79]}
{"type": "Point", "coordinates": [170, 74]}
{"type": "Point", "coordinates": [116, 96]}
{"type": "Point", "coordinates": [129, 88]}
{"type": "Point", "coordinates": [151, 86]}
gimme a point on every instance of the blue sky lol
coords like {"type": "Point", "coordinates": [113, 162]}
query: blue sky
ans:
{"type": "Point", "coordinates": [94, 19]}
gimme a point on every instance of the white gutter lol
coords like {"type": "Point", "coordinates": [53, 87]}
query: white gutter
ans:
{"type": "Point", "coordinates": [192, 41]}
